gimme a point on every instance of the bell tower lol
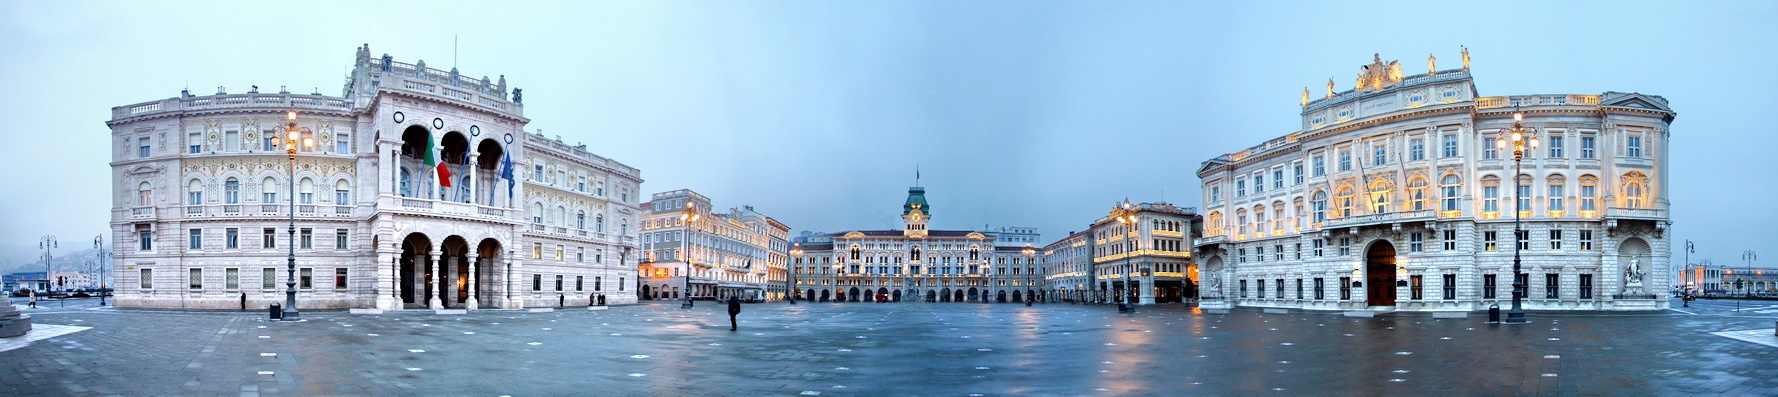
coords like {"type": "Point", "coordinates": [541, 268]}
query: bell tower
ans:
{"type": "Point", "coordinates": [915, 213]}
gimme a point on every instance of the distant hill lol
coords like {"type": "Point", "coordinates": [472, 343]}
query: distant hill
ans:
{"type": "Point", "coordinates": [64, 260]}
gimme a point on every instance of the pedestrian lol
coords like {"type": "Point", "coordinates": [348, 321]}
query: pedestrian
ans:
{"type": "Point", "coordinates": [734, 308]}
{"type": "Point", "coordinates": [33, 294]}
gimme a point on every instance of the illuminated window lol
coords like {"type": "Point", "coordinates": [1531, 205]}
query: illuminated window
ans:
{"type": "Point", "coordinates": [1589, 193]}
{"type": "Point", "coordinates": [1452, 191]}
{"type": "Point", "coordinates": [1343, 201]}
{"type": "Point", "coordinates": [1555, 239]}
{"type": "Point", "coordinates": [1489, 240]}
{"type": "Point", "coordinates": [1417, 194]}
{"type": "Point", "coordinates": [1555, 193]}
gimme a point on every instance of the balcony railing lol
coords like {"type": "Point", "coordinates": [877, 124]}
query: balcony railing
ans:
{"type": "Point", "coordinates": [416, 203]}
{"type": "Point", "coordinates": [342, 210]}
{"type": "Point", "coordinates": [232, 209]}
{"type": "Point", "coordinates": [194, 210]}
{"type": "Point", "coordinates": [142, 212]}
{"type": "Point", "coordinates": [1372, 219]}
{"type": "Point", "coordinates": [1635, 213]}
{"type": "Point", "coordinates": [268, 209]}
{"type": "Point", "coordinates": [306, 208]}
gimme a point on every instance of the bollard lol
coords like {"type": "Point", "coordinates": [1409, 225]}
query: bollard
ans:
{"type": "Point", "coordinates": [277, 312]}
{"type": "Point", "coordinates": [1493, 314]}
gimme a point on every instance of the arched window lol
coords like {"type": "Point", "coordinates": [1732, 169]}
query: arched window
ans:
{"type": "Point", "coordinates": [1491, 194]}
{"type": "Point", "coordinates": [623, 227]}
{"type": "Point", "coordinates": [1278, 215]}
{"type": "Point", "coordinates": [1589, 193]}
{"type": "Point", "coordinates": [1214, 222]}
{"type": "Point", "coordinates": [914, 253]}
{"type": "Point", "coordinates": [145, 194]}
{"type": "Point", "coordinates": [231, 191]}
{"type": "Point", "coordinates": [855, 252]}
{"type": "Point", "coordinates": [599, 223]}
{"type": "Point", "coordinates": [1635, 189]}
{"type": "Point", "coordinates": [1343, 201]}
{"type": "Point", "coordinates": [1259, 218]}
{"type": "Point", "coordinates": [268, 191]}
{"type": "Point", "coordinates": [537, 213]}
{"type": "Point", "coordinates": [974, 253]}
{"type": "Point", "coordinates": [1380, 192]}
{"type": "Point", "coordinates": [407, 183]}
{"type": "Point", "coordinates": [1453, 187]}
{"type": "Point", "coordinates": [1417, 193]}
{"type": "Point", "coordinates": [194, 193]}
{"type": "Point", "coordinates": [342, 193]}
{"type": "Point", "coordinates": [1319, 201]}
{"type": "Point", "coordinates": [560, 216]}
{"type": "Point", "coordinates": [1241, 220]}
{"type": "Point", "coordinates": [306, 191]}
{"type": "Point", "coordinates": [1556, 183]}
{"type": "Point", "coordinates": [580, 220]}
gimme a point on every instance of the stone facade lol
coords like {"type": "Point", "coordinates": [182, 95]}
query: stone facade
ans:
{"type": "Point", "coordinates": [739, 253]}
{"type": "Point", "coordinates": [1391, 197]}
{"type": "Point", "coordinates": [204, 190]}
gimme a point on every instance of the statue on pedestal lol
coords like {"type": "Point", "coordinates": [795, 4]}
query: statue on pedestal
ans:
{"type": "Point", "coordinates": [12, 323]}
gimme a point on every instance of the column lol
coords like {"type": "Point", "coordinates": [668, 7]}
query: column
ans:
{"type": "Point", "coordinates": [475, 267]}
{"type": "Point", "coordinates": [387, 263]}
{"type": "Point", "coordinates": [437, 186]}
{"type": "Point", "coordinates": [437, 301]}
{"type": "Point", "coordinates": [473, 193]}
{"type": "Point", "coordinates": [512, 277]}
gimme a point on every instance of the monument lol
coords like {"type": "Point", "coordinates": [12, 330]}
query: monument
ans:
{"type": "Point", "coordinates": [12, 323]}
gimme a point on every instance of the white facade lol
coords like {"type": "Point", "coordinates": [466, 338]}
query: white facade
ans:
{"type": "Point", "coordinates": [203, 193]}
{"type": "Point", "coordinates": [1392, 196]}
{"type": "Point", "coordinates": [740, 253]}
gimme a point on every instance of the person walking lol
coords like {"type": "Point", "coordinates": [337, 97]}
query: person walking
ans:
{"type": "Point", "coordinates": [33, 294]}
{"type": "Point", "coordinates": [734, 308]}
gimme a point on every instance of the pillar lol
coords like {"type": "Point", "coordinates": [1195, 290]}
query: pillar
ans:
{"type": "Point", "coordinates": [388, 260]}
{"type": "Point", "coordinates": [437, 301]}
{"type": "Point", "coordinates": [512, 277]}
{"type": "Point", "coordinates": [473, 193]}
{"type": "Point", "coordinates": [437, 186]}
{"type": "Point", "coordinates": [475, 267]}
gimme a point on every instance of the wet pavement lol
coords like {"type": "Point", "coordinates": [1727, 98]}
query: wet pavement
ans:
{"type": "Point", "coordinates": [892, 349]}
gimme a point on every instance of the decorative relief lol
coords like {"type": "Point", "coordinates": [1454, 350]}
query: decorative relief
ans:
{"type": "Point", "coordinates": [218, 166]}
{"type": "Point", "coordinates": [250, 127]}
{"type": "Point", "coordinates": [213, 133]}
{"type": "Point", "coordinates": [1379, 75]}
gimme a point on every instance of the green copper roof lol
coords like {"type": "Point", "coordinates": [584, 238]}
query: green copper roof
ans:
{"type": "Point", "coordinates": [916, 199]}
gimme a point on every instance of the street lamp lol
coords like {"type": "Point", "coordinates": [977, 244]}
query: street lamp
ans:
{"type": "Point", "coordinates": [1126, 215]}
{"type": "Point", "coordinates": [1748, 256]}
{"type": "Point", "coordinates": [1029, 253]}
{"type": "Point", "coordinates": [49, 279]}
{"type": "Point", "coordinates": [1518, 143]}
{"type": "Point", "coordinates": [294, 138]}
{"type": "Point", "coordinates": [687, 217]}
{"type": "Point", "coordinates": [790, 279]}
{"type": "Point", "coordinates": [99, 245]}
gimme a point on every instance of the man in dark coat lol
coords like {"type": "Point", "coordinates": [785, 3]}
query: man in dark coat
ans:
{"type": "Point", "coordinates": [734, 308]}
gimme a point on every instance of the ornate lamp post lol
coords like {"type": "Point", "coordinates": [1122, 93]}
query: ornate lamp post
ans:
{"type": "Point", "coordinates": [294, 138]}
{"type": "Point", "coordinates": [790, 279]}
{"type": "Point", "coordinates": [1748, 256]}
{"type": "Point", "coordinates": [99, 245]}
{"type": "Point", "coordinates": [1029, 253]}
{"type": "Point", "coordinates": [1126, 215]}
{"type": "Point", "coordinates": [1518, 143]}
{"type": "Point", "coordinates": [687, 217]}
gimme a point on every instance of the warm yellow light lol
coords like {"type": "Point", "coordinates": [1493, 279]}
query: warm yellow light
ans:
{"type": "Point", "coordinates": [1533, 142]}
{"type": "Point", "coordinates": [308, 143]}
{"type": "Point", "coordinates": [1518, 116]}
{"type": "Point", "coordinates": [293, 135]}
{"type": "Point", "coordinates": [1518, 135]}
{"type": "Point", "coordinates": [291, 115]}
{"type": "Point", "coordinates": [1500, 143]}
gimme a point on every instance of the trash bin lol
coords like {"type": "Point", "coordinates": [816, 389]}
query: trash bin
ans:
{"type": "Point", "coordinates": [277, 312]}
{"type": "Point", "coordinates": [1493, 313]}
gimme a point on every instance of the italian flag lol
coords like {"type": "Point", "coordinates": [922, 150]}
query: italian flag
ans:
{"type": "Point", "coordinates": [444, 173]}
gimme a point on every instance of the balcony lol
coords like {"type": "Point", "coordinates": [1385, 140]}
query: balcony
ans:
{"type": "Point", "coordinates": [194, 210]}
{"type": "Point", "coordinates": [1383, 218]}
{"type": "Point", "coordinates": [146, 212]}
{"type": "Point", "coordinates": [1635, 213]}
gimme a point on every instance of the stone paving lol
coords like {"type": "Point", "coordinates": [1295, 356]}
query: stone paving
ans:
{"type": "Point", "coordinates": [836, 349]}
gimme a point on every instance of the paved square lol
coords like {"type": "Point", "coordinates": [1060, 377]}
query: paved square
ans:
{"type": "Point", "coordinates": [887, 349]}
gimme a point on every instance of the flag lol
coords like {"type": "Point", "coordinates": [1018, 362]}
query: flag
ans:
{"type": "Point", "coordinates": [506, 173]}
{"type": "Point", "coordinates": [444, 173]}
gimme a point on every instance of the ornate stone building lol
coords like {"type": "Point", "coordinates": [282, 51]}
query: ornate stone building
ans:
{"type": "Point", "coordinates": [203, 188]}
{"type": "Point", "coordinates": [1148, 251]}
{"type": "Point", "coordinates": [1394, 195]}
{"type": "Point", "coordinates": [740, 253]}
{"type": "Point", "coordinates": [916, 263]}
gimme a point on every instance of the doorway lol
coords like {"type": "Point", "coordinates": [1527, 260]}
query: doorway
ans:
{"type": "Point", "coordinates": [1379, 269]}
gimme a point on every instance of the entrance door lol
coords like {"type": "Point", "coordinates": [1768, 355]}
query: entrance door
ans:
{"type": "Point", "coordinates": [1379, 271]}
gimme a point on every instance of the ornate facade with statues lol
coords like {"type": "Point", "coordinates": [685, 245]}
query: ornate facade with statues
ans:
{"type": "Point", "coordinates": [1397, 195]}
{"type": "Point", "coordinates": [416, 188]}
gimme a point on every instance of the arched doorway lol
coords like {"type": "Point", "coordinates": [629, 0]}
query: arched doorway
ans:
{"type": "Point", "coordinates": [824, 295]}
{"type": "Point", "coordinates": [415, 269]}
{"type": "Point", "coordinates": [931, 296]}
{"type": "Point", "coordinates": [945, 295]}
{"type": "Point", "coordinates": [895, 296]}
{"type": "Point", "coordinates": [973, 297]}
{"type": "Point", "coordinates": [1379, 269]}
{"type": "Point", "coordinates": [957, 296]}
{"type": "Point", "coordinates": [810, 295]}
{"type": "Point", "coordinates": [647, 292]}
{"type": "Point", "coordinates": [1016, 298]}
{"type": "Point", "coordinates": [883, 293]}
{"type": "Point", "coordinates": [852, 294]}
{"type": "Point", "coordinates": [1000, 296]}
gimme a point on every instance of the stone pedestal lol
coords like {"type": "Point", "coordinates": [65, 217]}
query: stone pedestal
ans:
{"type": "Point", "coordinates": [12, 323]}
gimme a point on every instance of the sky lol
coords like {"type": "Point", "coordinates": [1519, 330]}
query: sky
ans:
{"type": "Point", "coordinates": [817, 113]}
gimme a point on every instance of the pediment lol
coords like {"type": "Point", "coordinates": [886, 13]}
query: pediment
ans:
{"type": "Point", "coordinates": [1635, 100]}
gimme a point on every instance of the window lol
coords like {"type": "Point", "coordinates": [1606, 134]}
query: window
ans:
{"type": "Point", "coordinates": [342, 144]}
{"type": "Point", "coordinates": [1488, 240]}
{"type": "Point", "coordinates": [197, 278]}
{"type": "Point", "coordinates": [1586, 147]}
{"type": "Point", "coordinates": [599, 283]}
{"type": "Point", "coordinates": [1320, 166]}
{"type": "Point", "coordinates": [536, 282]}
{"type": "Point", "coordinates": [1490, 194]}
{"type": "Point", "coordinates": [1296, 173]}
{"type": "Point", "coordinates": [308, 238]}
{"type": "Point", "coordinates": [306, 278]}
{"type": "Point", "coordinates": [1586, 240]}
{"type": "Point", "coordinates": [536, 250]}
{"type": "Point", "coordinates": [1317, 243]}
{"type": "Point", "coordinates": [1556, 147]}
{"type": "Point", "coordinates": [268, 238]}
{"type": "Point", "coordinates": [1523, 240]}
{"type": "Point", "coordinates": [620, 284]}
{"type": "Point", "coordinates": [1523, 201]}
{"type": "Point", "coordinates": [1259, 184]}
{"type": "Point", "coordinates": [1243, 286]}
{"type": "Point", "coordinates": [1633, 147]}
{"type": "Point", "coordinates": [1633, 191]}
{"type": "Point", "coordinates": [1417, 194]}
{"type": "Point", "coordinates": [1555, 194]}
{"type": "Point", "coordinates": [194, 143]}
{"type": "Point", "coordinates": [537, 173]}
{"type": "Point", "coordinates": [1449, 286]}
{"type": "Point", "coordinates": [270, 142]}
{"type": "Point", "coordinates": [1551, 287]}
{"type": "Point", "coordinates": [1241, 253]}
{"type": "Point", "coordinates": [145, 194]}
{"type": "Point", "coordinates": [1379, 155]}
{"type": "Point", "coordinates": [1215, 194]}
{"type": "Point", "coordinates": [1319, 288]}
{"type": "Point", "coordinates": [1343, 202]}
{"type": "Point", "coordinates": [268, 278]}
{"type": "Point", "coordinates": [1279, 284]}
{"type": "Point", "coordinates": [1450, 239]}
{"type": "Point", "coordinates": [1345, 160]}
{"type": "Point", "coordinates": [147, 278]}
{"type": "Point", "coordinates": [1416, 287]}
{"type": "Point", "coordinates": [1320, 203]}
{"type": "Point", "coordinates": [1278, 178]}
{"type": "Point", "coordinates": [599, 223]}
{"type": "Point", "coordinates": [1345, 246]}
{"type": "Point", "coordinates": [1489, 152]}
{"type": "Point", "coordinates": [1345, 288]}
{"type": "Point", "coordinates": [1416, 149]}
{"type": "Point", "coordinates": [1489, 286]}
{"type": "Point", "coordinates": [1450, 145]}
{"type": "Point", "coordinates": [194, 193]}
{"type": "Point", "coordinates": [559, 251]}
{"type": "Point", "coordinates": [1277, 252]}
{"type": "Point", "coordinates": [1259, 254]}
{"type": "Point", "coordinates": [342, 193]}
{"type": "Point", "coordinates": [1586, 286]}
{"type": "Point", "coordinates": [197, 239]}
{"type": "Point", "coordinates": [1452, 187]}
{"type": "Point", "coordinates": [142, 147]}
{"type": "Point", "coordinates": [340, 239]}
{"type": "Point", "coordinates": [1299, 288]}
{"type": "Point", "coordinates": [1240, 188]}
{"type": "Point", "coordinates": [1555, 239]}
{"type": "Point", "coordinates": [1415, 243]}
{"type": "Point", "coordinates": [579, 282]}
{"type": "Point", "coordinates": [558, 282]}
{"type": "Point", "coordinates": [268, 191]}
{"type": "Point", "coordinates": [1262, 289]}
{"type": "Point", "coordinates": [339, 278]}
{"type": "Point", "coordinates": [231, 238]}
{"type": "Point", "coordinates": [145, 237]}
{"type": "Point", "coordinates": [1588, 193]}
{"type": "Point", "coordinates": [231, 140]}
{"type": "Point", "coordinates": [231, 191]}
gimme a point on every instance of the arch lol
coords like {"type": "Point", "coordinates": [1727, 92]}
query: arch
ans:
{"type": "Point", "coordinates": [931, 296]}
{"type": "Point", "coordinates": [488, 153]}
{"type": "Point", "coordinates": [1343, 201]}
{"type": "Point", "coordinates": [810, 295]}
{"type": "Point", "coordinates": [489, 254]}
{"type": "Point", "coordinates": [413, 141]}
{"type": "Point", "coordinates": [414, 266]}
{"type": "Point", "coordinates": [453, 270]}
{"type": "Point", "coordinates": [1635, 189]}
{"type": "Point", "coordinates": [883, 294]}
{"type": "Point", "coordinates": [1016, 297]}
{"type": "Point", "coordinates": [1000, 296]}
{"type": "Point", "coordinates": [145, 194]}
{"type": "Point", "coordinates": [1379, 273]}
{"type": "Point", "coordinates": [895, 296]}
{"type": "Point", "coordinates": [957, 296]}
{"type": "Point", "coordinates": [194, 192]}
{"type": "Point", "coordinates": [1319, 201]}
{"type": "Point", "coordinates": [945, 295]}
{"type": "Point", "coordinates": [852, 294]}
{"type": "Point", "coordinates": [1417, 188]}
{"type": "Point", "coordinates": [1379, 195]}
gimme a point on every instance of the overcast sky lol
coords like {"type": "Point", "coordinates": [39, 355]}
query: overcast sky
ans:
{"type": "Point", "coordinates": [1017, 113]}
